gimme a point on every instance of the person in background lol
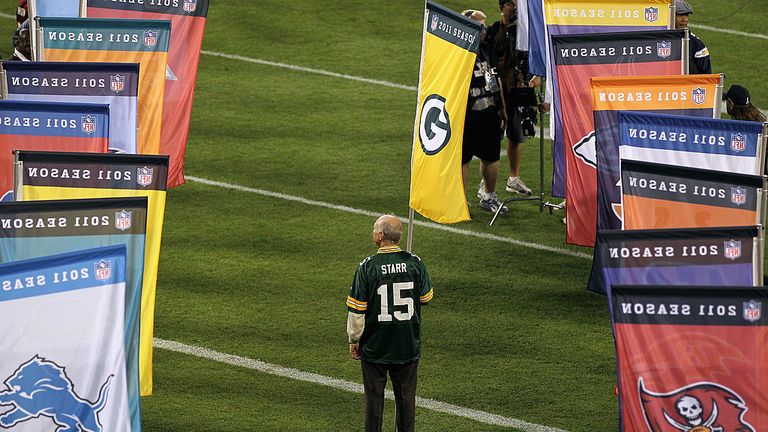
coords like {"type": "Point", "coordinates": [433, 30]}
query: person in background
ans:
{"type": "Point", "coordinates": [512, 66]}
{"type": "Point", "coordinates": [384, 324]}
{"type": "Point", "coordinates": [739, 106]}
{"type": "Point", "coordinates": [483, 123]}
{"type": "Point", "coordinates": [699, 62]}
{"type": "Point", "coordinates": [21, 13]}
{"type": "Point", "coordinates": [22, 47]}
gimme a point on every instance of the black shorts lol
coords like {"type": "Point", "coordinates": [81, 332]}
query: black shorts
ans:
{"type": "Point", "coordinates": [514, 125]}
{"type": "Point", "coordinates": [482, 135]}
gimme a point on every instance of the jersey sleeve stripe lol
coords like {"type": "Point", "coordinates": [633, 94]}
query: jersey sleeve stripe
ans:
{"type": "Point", "coordinates": [427, 297]}
{"type": "Point", "coordinates": [357, 304]}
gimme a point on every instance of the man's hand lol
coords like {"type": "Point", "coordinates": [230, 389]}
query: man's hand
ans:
{"type": "Point", "coordinates": [354, 351]}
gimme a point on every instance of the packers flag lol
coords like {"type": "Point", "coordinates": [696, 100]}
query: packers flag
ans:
{"type": "Point", "coordinates": [117, 41]}
{"type": "Point", "coordinates": [188, 18]}
{"type": "Point", "coordinates": [51, 175]}
{"type": "Point", "coordinates": [39, 228]}
{"type": "Point", "coordinates": [448, 52]}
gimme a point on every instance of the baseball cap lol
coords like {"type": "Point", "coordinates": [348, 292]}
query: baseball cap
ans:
{"type": "Point", "coordinates": [503, 2]}
{"type": "Point", "coordinates": [738, 95]}
{"type": "Point", "coordinates": [682, 7]}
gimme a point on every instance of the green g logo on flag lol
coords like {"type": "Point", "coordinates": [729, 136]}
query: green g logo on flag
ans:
{"type": "Point", "coordinates": [434, 125]}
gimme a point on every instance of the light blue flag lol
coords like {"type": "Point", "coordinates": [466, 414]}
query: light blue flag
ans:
{"type": "Point", "coordinates": [38, 228]}
{"type": "Point", "coordinates": [63, 360]}
{"type": "Point", "coordinates": [54, 8]}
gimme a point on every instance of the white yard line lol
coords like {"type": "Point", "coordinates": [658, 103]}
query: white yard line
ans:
{"type": "Point", "coordinates": [309, 70]}
{"type": "Point", "coordinates": [347, 386]}
{"type": "Point", "coordinates": [369, 213]}
{"type": "Point", "coordinates": [729, 31]}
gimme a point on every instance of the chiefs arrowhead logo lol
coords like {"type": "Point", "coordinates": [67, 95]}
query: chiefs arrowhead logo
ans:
{"type": "Point", "coordinates": [586, 150]}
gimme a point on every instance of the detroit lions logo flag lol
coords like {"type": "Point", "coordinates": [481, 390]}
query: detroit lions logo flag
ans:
{"type": "Point", "coordinates": [63, 361]}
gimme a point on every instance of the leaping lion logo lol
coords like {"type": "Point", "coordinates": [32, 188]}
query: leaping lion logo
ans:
{"type": "Point", "coordinates": [40, 387]}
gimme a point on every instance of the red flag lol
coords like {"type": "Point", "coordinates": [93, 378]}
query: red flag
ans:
{"type": "Point", "coordinates": [188, 18]}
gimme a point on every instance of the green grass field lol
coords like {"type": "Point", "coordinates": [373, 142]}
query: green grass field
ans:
{"type": "Point", "coordinates": [263, 273]}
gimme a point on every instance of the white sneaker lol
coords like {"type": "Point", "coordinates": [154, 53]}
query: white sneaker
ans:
{"type": "Point", "coordinates": [492, 204]}
{"type": "Point", "coordinates": [514, 184]}
{"type": "Point", "coordinates": [481, 189]}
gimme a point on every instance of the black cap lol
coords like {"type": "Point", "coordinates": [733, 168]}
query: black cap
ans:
{"type": "Point", "coordinates": [503, 2]}
{"type": "Point", "coordinates": [738, 95]}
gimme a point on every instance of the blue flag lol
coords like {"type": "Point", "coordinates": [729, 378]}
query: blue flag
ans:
{"type": "Point", "coordinates": [115, 84]}
{"type": "Point", "coordinates": [695, 142]}
{"type": "Point", "coordinates": [697, 256]}
{"type": "Point", "coordinates": [63, 362]}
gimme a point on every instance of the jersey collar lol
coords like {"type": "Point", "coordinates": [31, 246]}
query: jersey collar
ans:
{"type": "Point", "coordinates": [389, 249]}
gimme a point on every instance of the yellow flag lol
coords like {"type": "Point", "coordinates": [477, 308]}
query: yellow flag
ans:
{"type": "Point", "coordinates": [449, 48]}
{"type": "Point", "coordinates": [107, 176]}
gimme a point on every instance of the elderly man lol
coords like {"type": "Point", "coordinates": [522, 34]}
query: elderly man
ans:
{"type": "Point", "coordinates": [384, 323]}
{"type": "Point", "coordinates": [699, 54]}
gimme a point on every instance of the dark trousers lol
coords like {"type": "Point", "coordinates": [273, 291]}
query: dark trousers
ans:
{"type": "Point", "coordinates": [404, 385]}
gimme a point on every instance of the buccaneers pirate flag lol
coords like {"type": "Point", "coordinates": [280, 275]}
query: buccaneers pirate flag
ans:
{"type": "Point", "coordinates": [691, 359]}
{"type": "Point", "coordinates": [449, 48]}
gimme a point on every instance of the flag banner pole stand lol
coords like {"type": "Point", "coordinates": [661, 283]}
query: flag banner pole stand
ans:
{"type": "Point", "coordinates": [540, 196]}
{"type": "Point", "coordinates": [409, 242]}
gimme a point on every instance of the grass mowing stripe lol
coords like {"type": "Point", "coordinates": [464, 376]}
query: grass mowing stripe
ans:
{"type": "Point", "coordinates": [404, 220]}
{"type": "Point", "coordinates": [729, 31]}
{"type": "Point", "coordinates": [348, 386]}
{"type": "Point", "coordinates": [310, 70]}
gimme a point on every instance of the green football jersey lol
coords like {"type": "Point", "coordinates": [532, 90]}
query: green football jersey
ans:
{"type": "Point", "coordinates": [389, 288]}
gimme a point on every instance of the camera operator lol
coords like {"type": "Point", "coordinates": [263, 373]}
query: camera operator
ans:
{"type": "Point", "coordinates": [512, 67]}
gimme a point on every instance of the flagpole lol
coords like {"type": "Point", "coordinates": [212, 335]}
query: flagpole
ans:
{"type": "Point", "coordinates": [409, 243]}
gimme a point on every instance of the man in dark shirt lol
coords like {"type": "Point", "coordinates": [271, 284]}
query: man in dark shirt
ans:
{"type": "Point", "coordinates": [512, 67]}
{"type": "Point", "coordinates": [384, 323]}
{"type": "Point", "coordinates": [699, 62]}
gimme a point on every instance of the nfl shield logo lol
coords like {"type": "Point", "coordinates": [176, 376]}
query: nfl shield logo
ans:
{"type": "Point", "coordinates": [698, 95]}
{"type": "Point", "coordinates": [651, 14]}
{"type": "Point", "coordinates": [117, 83]}
{"type": "Point", "coordinates": [144, 176]}
{"type": "Point", "coordinates": [664, 49]}
{"type": "Point", "coordinates": [738, 142]}
{"type": "Point", "coordinates": [150, 38]}
{"type": "Point", "coordinates": [732, 249]}
{"type": "Point", "coordinates": [102, 269]}
{"type": "Point", "coordinates": [88, 124]}
{"type": "Point", "coordinates": [753, 310]}
{"type": "Point", "coordinates": [738, 195]}
{"type": "Point", "coordinates": [123, 220]}
{"type": "Point", "coordinates": [435, 21]}
{"type": "Point", "coordinates": [190, 5]}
